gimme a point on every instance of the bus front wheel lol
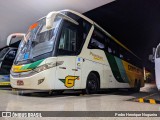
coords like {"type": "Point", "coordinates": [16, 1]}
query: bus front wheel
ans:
{"type": "Point", "coordinates": [92, 86]}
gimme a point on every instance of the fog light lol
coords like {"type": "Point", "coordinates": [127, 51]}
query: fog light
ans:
{"type": "Point", "coordinates": [40, 81]}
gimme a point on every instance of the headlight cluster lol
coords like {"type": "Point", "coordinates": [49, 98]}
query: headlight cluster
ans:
{"type": "Point", "coordinates": [37, 70]}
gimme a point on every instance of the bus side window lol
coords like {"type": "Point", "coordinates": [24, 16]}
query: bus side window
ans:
{"type": "Point", "coordinates": [83, 30]}
{"type": "Point", "coordinates": [121, 56]}
{"type": "Point", "coordinates": [111, 46]}
{"type": "Point", "coordinates": [97, 40]}
{"type": "Point", "coordinates": [121, 53]}
{"type": "Point", "coordinates": [109, 50]}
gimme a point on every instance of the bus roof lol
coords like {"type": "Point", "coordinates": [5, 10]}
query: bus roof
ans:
{"type": "Point", "coordinates": [94, 23]}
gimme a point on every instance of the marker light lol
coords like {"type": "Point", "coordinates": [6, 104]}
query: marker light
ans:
{"type": "Point", "coordinates": [40, 81]}
{"type": "Point", "coordinates": [36, 70]}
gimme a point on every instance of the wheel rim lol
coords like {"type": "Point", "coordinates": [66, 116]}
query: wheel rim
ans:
{"type": "Point", "coordinates": [92, 85]}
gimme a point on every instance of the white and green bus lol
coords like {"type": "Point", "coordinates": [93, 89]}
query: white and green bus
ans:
{"type": "Point", "coordinates": [67, 51]}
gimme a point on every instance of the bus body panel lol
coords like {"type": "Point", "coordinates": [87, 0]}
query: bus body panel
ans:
{"type": "Point", "coordinates": [65, 73]}
{"type": "Point", "coordinates": [157, 71]}
{"type": "Point", "coordinates": [133, 73]}
{"type": "Point", "coordinates": [88, 67]}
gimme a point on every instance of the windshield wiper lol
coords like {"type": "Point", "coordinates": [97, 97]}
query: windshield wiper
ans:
{"type": "Point", "coordinates": [30, 60]}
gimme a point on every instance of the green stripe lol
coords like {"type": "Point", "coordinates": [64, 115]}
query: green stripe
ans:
{"type": "Point", "coordinates": [63, 80]}
{"type": "Point", "coordinates": [35, 64]}
{"type": "Point", "coordinates": [32, 65]}
{"type": "Point", "coordinates": [25, 67]}
{"type": "Point", "coordinates": [122, 70]}
{"type": "Point", "coordinates": [114, 67]}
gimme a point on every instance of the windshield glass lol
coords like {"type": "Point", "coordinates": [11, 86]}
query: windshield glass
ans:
{"type": "Point", "coordinates": [38, 40]}
{"type": "Point", "coordinates": [3, 52]}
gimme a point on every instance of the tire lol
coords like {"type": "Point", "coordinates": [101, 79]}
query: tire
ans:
{"type": "Point", "coordinates": [20, 92]}
{"type": "Point", "coordinates": [136, 88]}
{"type": "Point", "coordinates": [92, 85]}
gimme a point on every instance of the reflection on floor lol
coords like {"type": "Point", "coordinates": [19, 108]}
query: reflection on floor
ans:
{"type": "Point", "coordinates": [109, 100]}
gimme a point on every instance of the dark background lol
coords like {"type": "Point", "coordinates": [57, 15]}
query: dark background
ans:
{"type": "Point", "coordinates": [135, 23]}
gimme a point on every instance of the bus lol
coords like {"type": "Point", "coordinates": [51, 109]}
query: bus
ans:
{"type": "Point", "coordinates": [157, 65]}
{"type": "Point", "coordinates": [65, 50]}
{"type": "Point", "coordinates": [7, 55]}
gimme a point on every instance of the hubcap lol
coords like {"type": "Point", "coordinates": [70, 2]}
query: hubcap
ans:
{"type": "Point", "coordinates": [92, 85]}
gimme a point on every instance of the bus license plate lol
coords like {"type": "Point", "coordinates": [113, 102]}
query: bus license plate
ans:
{"type": "Point", "coordinates": [20, 82]}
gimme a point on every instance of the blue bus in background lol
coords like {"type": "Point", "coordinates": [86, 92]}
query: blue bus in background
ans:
{"type": "Point", "coordinates": [7, 56]}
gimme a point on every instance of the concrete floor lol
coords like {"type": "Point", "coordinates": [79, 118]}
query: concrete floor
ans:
{"type": "Point", "coordinates": [119, 100]}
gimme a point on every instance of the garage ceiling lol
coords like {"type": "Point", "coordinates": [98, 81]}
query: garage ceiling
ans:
{"type": "Point", "coordinates": [17, 15]}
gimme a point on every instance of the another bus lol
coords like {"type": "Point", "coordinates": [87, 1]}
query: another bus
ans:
{"type": "Point", "coordinates": [67, 51]}
{"type": "Point", "coordinates": [7, 56]}
{"type": "Point", "coordinates": [157, 66]}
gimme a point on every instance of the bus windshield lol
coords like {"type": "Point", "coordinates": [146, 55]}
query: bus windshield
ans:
{"type": "Point", "coordinates": [38, 41]}
{"type": "Point", "coordinates": [3, 52]}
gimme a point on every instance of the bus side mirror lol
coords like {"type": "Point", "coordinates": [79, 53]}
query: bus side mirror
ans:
{"type": "Point", "coordinates": [52, 15]}
{"type": "Point", "coordinates": [151, 58]}
{"type": "Point", "coordinates": [14, 36]}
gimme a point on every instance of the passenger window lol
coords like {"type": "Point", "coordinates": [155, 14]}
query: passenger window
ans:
{"type": "Point", "coordinates": [121, 56]}
{"type": "Point", "coordinates": [68, 38]}
{"type": "Point", "coordinates": [109, 50]}
{"type": "Point", "coordinates": [111, 46]}
{"type": "Point", "coordinates": [83, 29]}
{"type": "Point", "coordinates": [97, 40]}
{"type": "Point", "coordinates": [121, 53]}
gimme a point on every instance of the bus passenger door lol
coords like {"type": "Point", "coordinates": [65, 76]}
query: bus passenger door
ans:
{"type": "Point", "coordinates": [67, 46]}
{"type": "Point", "coordinates": [65, 73]}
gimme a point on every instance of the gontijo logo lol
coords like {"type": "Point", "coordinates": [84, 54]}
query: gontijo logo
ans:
{"type": "Point", "coordinates": [69, 81]}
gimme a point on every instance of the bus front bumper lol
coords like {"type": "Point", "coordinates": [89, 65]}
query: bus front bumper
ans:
{"type": "Point", "coordinates": [38, 81]}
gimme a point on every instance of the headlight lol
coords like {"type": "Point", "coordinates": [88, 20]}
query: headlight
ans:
{"type": "Point", "coordinates": [36, 70]}
{"type": "Point", "coordinates": [47, 66]}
